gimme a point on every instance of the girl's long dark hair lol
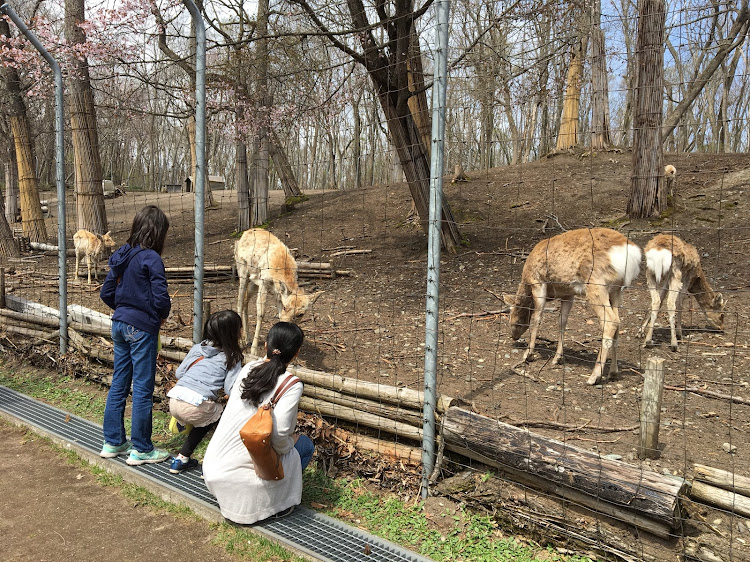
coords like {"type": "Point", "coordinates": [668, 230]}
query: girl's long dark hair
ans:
{"type": "Point", "coordinates": [222, 329]}
{"type": "Point", "coordinates": [149, 229]}
{"type": "Point", "coordinates": [282, 344]}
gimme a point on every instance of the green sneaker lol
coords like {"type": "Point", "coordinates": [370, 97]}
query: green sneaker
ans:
{"type": "Point", "coordinates": [154, 456]}
{"type": "Point", "coordinates": [111, 451]}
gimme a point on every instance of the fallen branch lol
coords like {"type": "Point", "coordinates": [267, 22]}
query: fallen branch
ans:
{"type": "Point", "coordinates": [349, 253]}
{"type": "Point", "coordinates": [566, 427]}
{"type": "Point", "coordinates": [505, 310]}
{"type": "Point", "coordinates": [708, 394]}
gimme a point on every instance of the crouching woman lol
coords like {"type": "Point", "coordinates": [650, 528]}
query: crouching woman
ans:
{"type": "Point", "coordinates": [227, 467]}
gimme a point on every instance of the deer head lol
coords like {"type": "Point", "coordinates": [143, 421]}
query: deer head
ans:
{"type": "Point", "coordinates": [108, 243]}
{"type": "Point", "coordinates": [294, 305]}
{"type": "Point", "coordinates": [520, 314]}
{"type": "Point", "coordinates": [715, 313]}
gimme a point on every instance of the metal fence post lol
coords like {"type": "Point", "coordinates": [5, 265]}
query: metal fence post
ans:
{"type": "Point", "coordinates": [200, 166]}
{"type": "Point", "coordinates": [433, 249]}
{"type": "Point", "coordinates": [60, 172]}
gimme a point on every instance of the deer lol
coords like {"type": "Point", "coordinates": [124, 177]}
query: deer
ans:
{"type": "Point", "coordinates": [595, 263]}
{"type": "Point", "coordinates": [265, 265]}
{"type": "Point", "coordinates": [674, 272]}
{"type": "Point", "coordinates": [92, 246]}
{"type": "Point", "coordinates": [669, 175]}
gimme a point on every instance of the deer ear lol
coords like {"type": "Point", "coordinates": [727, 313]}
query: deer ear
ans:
{"type": "Point", "coordinates": [510, 300]}
{"type": "Point", "coordinates": [108, 233]}
{"type": "Point", "coordinates": [719, 300]}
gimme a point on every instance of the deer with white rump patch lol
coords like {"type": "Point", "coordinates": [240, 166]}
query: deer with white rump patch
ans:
{"type": "Point", "coordinates": [674, 272]}
{"type": "Point", "coordinates": [92, 246]}
{"type": "Point", "coordinates": [596, 263]}
{"type": "Point", "coordinates": [264, 264]}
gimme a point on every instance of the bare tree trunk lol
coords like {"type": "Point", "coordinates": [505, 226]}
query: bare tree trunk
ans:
{"type": "Point", "coordinates": [647, 195]}
{"type": "Point", "coordinates": [32, 220]}
{"type": "Point", "coordinates": [418, 105]}
{"type": "Point", "coordinates": [600, 138]}
{"type": "Point", "coordinates": [567, 137]}
{"type": "Point", "coordinates": [243, 189]}
{"type": "Point", "coordinates": [260, 163]}
{"type": "Point", "coordinates": [357, 146]}
{"type": "Point", "coordinates": [8, 248]}
{"type": "Point", "coordinates": [12, 209]}
{"type": "Point", "coordinates": [282, 166]}
{"type": "Point", "coordinates": [90, 211]}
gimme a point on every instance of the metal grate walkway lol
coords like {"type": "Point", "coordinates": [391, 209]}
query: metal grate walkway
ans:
{"type": "Point", "coordinates": [307, 531]}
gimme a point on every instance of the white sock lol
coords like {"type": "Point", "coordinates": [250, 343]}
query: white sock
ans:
{"type": "Point", "coordinates": [183, 458]}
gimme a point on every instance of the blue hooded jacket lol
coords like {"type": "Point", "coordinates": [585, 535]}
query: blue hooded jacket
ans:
{"type": "Point", "coordinates": [136, 288]}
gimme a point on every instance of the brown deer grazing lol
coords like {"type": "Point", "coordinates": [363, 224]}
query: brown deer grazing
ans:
{"type": "Point", "coordinates": [92, 246]}
{"type": "Point", "coordinates": [596, 263]}
{"type": "Point", "coordinates": [264, 264]}
{"type": "Point", "coordinates": [673, 272]}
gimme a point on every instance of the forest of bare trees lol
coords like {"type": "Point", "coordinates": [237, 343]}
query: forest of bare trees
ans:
{"type": "Point", "coordinates": [306, 94]}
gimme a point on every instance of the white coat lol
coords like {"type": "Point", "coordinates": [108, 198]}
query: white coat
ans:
{"type": "Point", "coordinates": [228, 469]}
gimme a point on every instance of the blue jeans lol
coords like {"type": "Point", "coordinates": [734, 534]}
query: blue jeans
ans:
{"type": "Point", "coordinates": [305, 447]}
{"type": "Point", "coordinates": [135, 362]}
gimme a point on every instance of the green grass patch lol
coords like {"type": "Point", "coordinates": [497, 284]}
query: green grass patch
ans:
{"type": "Point", "coordinates": [473, 538]}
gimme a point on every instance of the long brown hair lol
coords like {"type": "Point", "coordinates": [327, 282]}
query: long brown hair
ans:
{"type": "Point", "coordinates": [282, 344]}
{"type": "Point", "coordinates": [149, 229]}
{"type": "Point", "coordinates": [222, 329]}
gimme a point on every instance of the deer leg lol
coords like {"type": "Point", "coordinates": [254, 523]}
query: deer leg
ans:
{"type": "Point", "coordinates": [78, 260]}
{"type": "Point", "coordinates": [96, 269]}
{"type": "Point", "coordinates": [681, 297]}
{"type": "Point", "coordinates": [673, 296]}
{"type": "Point", "coordinates": [565, 306]}
{"type": "Point", "coordinates": [657, 297]}
{"type": "Point", "coordinates": [241, 310]}
{"type": "Point", "coordinates": [610, 322]}
{"type": "Point", "coordinates": [616, 299]}
{"type": "Point", "coordinates": [88, 266]}
{"type": "Point", "coordinates": [260, 303]}
{"type": "Point", "coordinates": [540, 299]}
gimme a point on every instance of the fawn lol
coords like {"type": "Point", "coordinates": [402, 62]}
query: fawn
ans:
{"type": "Point", "coordinates": [92, 246]}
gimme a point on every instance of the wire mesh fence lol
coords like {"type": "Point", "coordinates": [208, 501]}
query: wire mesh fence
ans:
{"type": "Point", "coordinates": [354, 131]}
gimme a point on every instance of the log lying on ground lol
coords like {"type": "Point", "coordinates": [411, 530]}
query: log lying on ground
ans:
{"type": "Point", "coordinates": [601, 480]}
{"type": "Point", "coordinates": [722, 479]}
{"type": "Point", "coordinates": [726, 500]}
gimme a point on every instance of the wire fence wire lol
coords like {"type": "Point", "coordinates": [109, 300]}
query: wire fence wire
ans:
{"type": "Point", "coordinates": [529, 440]}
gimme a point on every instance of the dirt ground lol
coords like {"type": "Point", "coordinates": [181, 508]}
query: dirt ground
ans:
{"type": "Point", "coordinates": [49, 509]}
{"type": "Point", "coordinates": [369, 325]}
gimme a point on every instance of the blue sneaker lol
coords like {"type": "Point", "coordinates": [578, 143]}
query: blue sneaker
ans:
{"type": "Point", "coordinates": [111, 451]}
{"type": "Point", "coordinates": [178, 466]}
{"type": "Point", "coordinates": [156, 455]}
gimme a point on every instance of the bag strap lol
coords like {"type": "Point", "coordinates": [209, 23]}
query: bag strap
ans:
{"type": "Point", "coordinates": [289, 382]}
{"type": "Point", "coordinates": [194, 362]}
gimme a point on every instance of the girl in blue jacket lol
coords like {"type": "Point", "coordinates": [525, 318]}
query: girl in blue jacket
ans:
{"type": "Point", "coordinates": [136, 288]}
{"type": "Point", "coordinates": [209, 366]}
